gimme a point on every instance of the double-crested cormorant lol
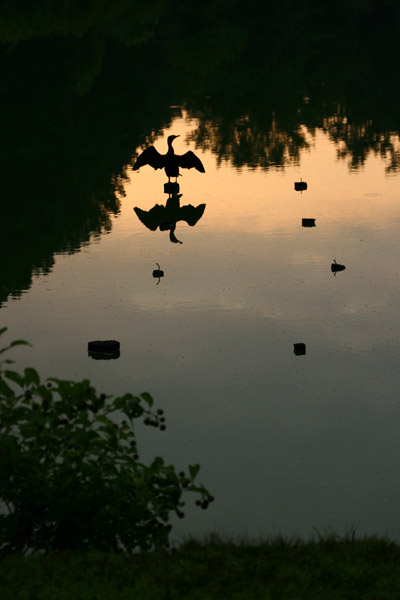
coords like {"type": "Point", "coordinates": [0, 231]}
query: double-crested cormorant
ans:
{"type": "Point", "coordinates": [166, 217]}
{"type": "Point", "coordinates": [170, 161]}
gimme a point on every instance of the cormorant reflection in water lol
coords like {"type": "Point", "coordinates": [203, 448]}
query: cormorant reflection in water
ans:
{"type": "Point", "coordinates": [166, 217]}
{"type": "Point", "coordinates": [169, 161]}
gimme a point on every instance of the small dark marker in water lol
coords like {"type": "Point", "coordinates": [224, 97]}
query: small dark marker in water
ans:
{"type": "Point", "coordinates": [104, 349]}
{"type": "Point", "coordinates": [103, 346]}
{"type": "Point", "coordinates": [300, 186]}
{"type": "Point", "coordinates": [299, 349]}
{"type": "Point", "coordinates": [308, 222]}
{"type": "Point", "coordinates": [158, 273]}
{"type": "Point", "coordinates": [335, 267]}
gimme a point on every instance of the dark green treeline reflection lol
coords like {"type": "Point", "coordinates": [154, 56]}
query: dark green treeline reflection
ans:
{"type": "Point", "coordinates": [83, 86]}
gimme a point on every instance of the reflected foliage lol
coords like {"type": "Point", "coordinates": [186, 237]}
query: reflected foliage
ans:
{"type": "Point", "coordinates": [294, 77]}
{"type": "Point", "coordinates": [354, 142]}
{"type": "Point", "coordinates": [86, 86]}
{"type": "Point", "coordinates": [245, 141]}
{"type": "Point", "coordinates": [269, 141]}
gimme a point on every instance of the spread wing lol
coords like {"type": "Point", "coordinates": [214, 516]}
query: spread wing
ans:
{"type": "Point", "coordinates": [152, 217]}
{"type": "Point", "coordinates": [151, 157]}
{"type": "Point", "coordinates": [190, 160]}
{"type": "Point", "coordinates": [191, 214]}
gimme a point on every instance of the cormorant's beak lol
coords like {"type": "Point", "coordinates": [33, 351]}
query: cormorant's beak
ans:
{"type": "Point", "coordinates": [177, 135]}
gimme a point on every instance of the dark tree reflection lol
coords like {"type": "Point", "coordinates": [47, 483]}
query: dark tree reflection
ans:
{"type": "Point", "coordinates": [64, 155]}
{"type": "Point", "coordinates": [356, 141]}
{"type": "Point", "coordinates": [247, 143]}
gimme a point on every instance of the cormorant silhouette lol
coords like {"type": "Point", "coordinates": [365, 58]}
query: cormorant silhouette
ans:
{"type": "Point", "coordinates": [170, 161]}
{"type": "Point", "coordinates": [166, 217]}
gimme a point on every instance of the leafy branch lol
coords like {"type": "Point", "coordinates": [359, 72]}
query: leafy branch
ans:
{"type": "Point", "coordinates": [70, 474]}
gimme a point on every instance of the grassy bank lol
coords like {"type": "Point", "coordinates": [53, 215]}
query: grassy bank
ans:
{"type": "Point", "coordinates": [367, 568]}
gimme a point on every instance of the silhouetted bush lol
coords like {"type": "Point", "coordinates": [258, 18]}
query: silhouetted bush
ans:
{"type": "Point", "coordinates": [70, 473]}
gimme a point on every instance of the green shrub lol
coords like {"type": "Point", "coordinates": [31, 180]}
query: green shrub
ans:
{"type": "Point", "coordinates": [70, 473]}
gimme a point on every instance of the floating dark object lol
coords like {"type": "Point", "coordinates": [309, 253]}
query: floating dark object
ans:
{"type": "Point", "coordinates": [308, 222]}
{"type": "Point", "coordinates": [171, 187]}
{"type": "Point", "coordinates": [104, 350]}
{"type": "Point", "coordinates": [104, 356]}
{"type": "Point", "coordinates": [335, 267]}
{"type": "Point", "coordinates": [300, 186]}
{"type": "Point", "coordinates": [299, 349]}
{"type": "Point", "coordinates": [158, 273]}
{"type": "Point", "coordinates": [169, 161]}
{"type": "Point", "coordinates": [104, 346]}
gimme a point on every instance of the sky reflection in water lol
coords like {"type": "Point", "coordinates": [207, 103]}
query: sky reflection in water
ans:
{"type": "Point", "coordinates": [286, 442]}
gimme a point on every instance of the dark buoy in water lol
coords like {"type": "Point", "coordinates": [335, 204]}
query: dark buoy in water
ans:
{"type": "Point", "coordinates": [158, 273]}
{"type": "Point", "coordinates": [104, 349]}
{"type": "Point", "coordinates": [299, 349]}
{"type": "Point", "coordinates": [335, 267]}
{"type": "Point", "coordinates": [171, 187]}
{"type": "Point", "coordinates": [300, 186]}
{"type": "Point", "coordinates": [308, 222]}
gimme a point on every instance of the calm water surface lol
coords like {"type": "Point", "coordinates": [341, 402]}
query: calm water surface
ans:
{"type": "Point", "coordinates": [286, 443]}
